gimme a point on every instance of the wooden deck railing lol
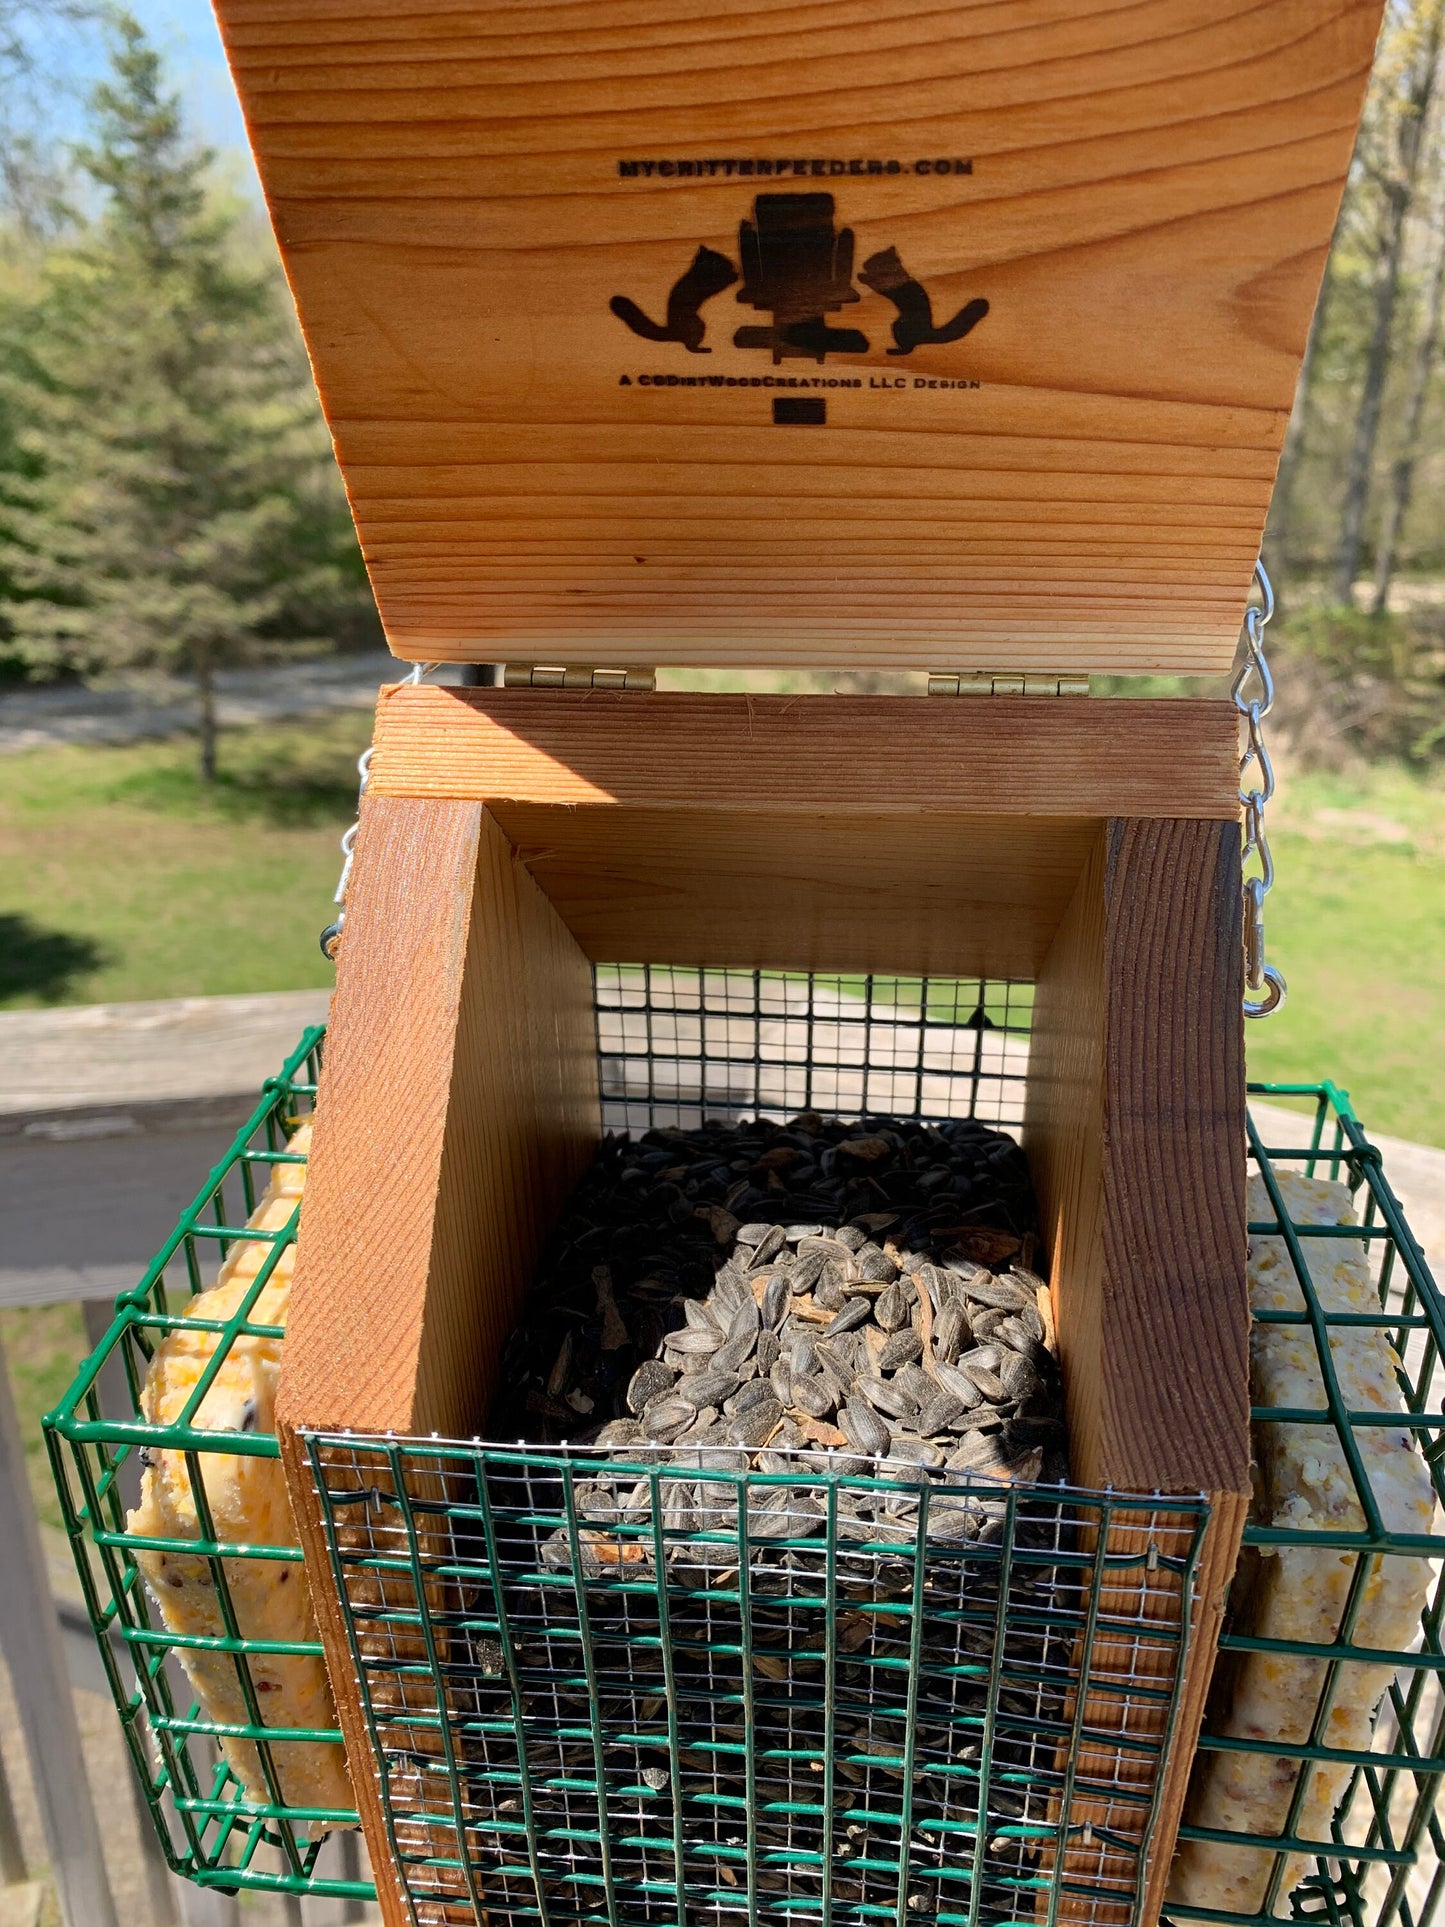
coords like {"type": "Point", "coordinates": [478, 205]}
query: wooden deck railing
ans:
{"type": "Point", "coordinates": [110, 1117]}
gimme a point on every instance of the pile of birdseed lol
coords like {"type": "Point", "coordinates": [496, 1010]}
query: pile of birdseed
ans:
{"type": "Point", "coordinates": [761, 1289]}
{"type": "Point", "coordinates": [816, 1370]}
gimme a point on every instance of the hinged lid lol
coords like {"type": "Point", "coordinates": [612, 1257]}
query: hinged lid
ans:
{"type": "Point", "coordinates": [847, 333]}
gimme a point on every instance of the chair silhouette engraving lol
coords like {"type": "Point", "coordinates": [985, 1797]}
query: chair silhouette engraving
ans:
{"type": "Point", "coordinates": [797, 268]}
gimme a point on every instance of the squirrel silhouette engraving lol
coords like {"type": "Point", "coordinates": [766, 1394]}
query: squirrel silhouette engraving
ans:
{"type": "Point", "coordinates": [709, 274]}
{"type": "Point", "coordinates": [885, 274]}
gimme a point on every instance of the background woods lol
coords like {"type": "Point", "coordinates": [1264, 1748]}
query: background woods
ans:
{"type": "Point", "coordinates": [1356, 537]}
{"type": "Point", "coordinates": [167, 494]}
{"type": "Point", "coordinates": [167, 497]}
{"type": "Point", "coordinates": [168, 503]}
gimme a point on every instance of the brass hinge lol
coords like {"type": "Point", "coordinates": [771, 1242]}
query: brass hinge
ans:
{"type": "Point", "coordinates": [981, 682]}
{"type": "Point", "coordinates": [577, 675]}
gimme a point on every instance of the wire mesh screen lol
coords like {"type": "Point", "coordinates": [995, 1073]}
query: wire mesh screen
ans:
{"type": "Point", "coordinates": [676, 1045]}
{"type": "Point", "coordinates": [1315, 1789]}
{"type": "Point", "coordinates": [221, 1689]}
{"type": "Point", "coordinates": [579, 1734]}
{"type": "Point", "coordinates": [666, 1689]}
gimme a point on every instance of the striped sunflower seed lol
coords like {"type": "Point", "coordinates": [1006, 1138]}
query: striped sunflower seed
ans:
{"type": "Point", "coordinates": [875, 1267]}
{"type": "Point", "coordinates": [1017, 1376]}
{"type": "Point", "coordinates": [734, 1353]}
{"type": "Point", "coordinates": [775, 1299]}
{"type": "Point", "coordinates": [891, 1311]}
{"type": "Point", "coordinates": [803, 1356]}
{"type": "Point", "coordinates": [806, 1271]}
{"type": "Point", "coordinates": [692, 1342]}
{"type": "Point", "coordinates": [746, 1321]}
{"type": "Point", "coordinates": [756, 1392]}
{"type": "Point", "coordinates": [863, 1428]}
{"type": "Point", "coordinates": [706, 1388]}
{"type": "Point", "coordinates": [884, 1397]}
{"type": "Point", "coordinates": [939, 1413]}
{"type": "Point", "coordinates": [997, 1293]}
{"type": "Point", "coordinates": [989, 1383]}
{"type": "Point", "coordinates": [950, 1332]}
{"type": "Point", "coordinates": [1014, 1334]}
{"type": "Point", "coordinates": [665, 1417]}
{"type": "Point", "coordinates": [757, 1425]}
{"type": "Point", "coordinates": [815, 1396]}
{"type": "Point", "coordinates": [902, 1349]}
{"type": "Point", "coordinates": [952, 1379]}
{"type": "Point", "coordinates": [853, 1312]}
{"type": "Point", "coordinates": [651, 1379]}
{"type": "Point", "coordinates": [828, 1294]}
{"type": "Point", "coordinates": [915, 1381]}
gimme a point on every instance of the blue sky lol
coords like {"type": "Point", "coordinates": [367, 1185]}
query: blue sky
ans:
{"type": "Point", "coordinates": [185, 32]}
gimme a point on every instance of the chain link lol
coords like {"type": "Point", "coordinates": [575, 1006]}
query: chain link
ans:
{"type": "Point", "coordinates": [1253, 694]}
{"type": "Point", "coordinates": [331, 935]}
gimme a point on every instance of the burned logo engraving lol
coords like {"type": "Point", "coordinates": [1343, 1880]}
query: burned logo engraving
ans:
{"type": "Point", "coordinates": [797, 267]}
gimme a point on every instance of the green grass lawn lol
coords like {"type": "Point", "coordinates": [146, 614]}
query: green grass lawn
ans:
{"type": "Point", "coordinates": [43, 1345]}
{"type": "Point", "coordinates": [1357, 924]}
{"type": "Point", "coordinates": [121, 877]}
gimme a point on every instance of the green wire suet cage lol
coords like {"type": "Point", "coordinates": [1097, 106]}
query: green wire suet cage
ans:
{"type": "Point", "coordinates": [1381, 1862]}
{"type": "Point", "coordinates": [694, 1711]}
{"type": "Point", "coordinates": [211, 1830]}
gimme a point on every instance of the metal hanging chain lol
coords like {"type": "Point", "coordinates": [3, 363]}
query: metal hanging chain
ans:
{"type": "Point", "coordinates": [1253, 694]}
{"type": "Point", "coordinates": [331, 935]}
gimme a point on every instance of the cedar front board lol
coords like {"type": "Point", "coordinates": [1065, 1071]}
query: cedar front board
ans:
{"type": "Point", "coordinates": [881, 756]}
{"type": "Point", "coordinates": [834, 332]}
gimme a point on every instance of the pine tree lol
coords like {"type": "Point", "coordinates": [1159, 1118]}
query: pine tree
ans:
{"type": "Point", "coordinates": [178, 460]}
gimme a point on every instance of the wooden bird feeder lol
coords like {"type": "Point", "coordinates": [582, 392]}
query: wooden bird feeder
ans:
{"type": "Point", "coordinates": [959, 341]}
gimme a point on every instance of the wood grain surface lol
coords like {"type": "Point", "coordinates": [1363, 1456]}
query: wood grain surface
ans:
{"type": "Point", "coordinates": [1056, 272]}
{"type": "Point", "coordinates": [884, 755]}
{"type": "Point", "coordinates": [457, 1109]}
{"type": "Point", "coordinates": [1174, 1324]}
{"type": "Point", "coordinates": [1176, 1314]}
{"type": "Point", "coordinates": [1135, 1133]}
{"type": "Point", "coordinates": [1135, 1129]}
{"type": "Point", "coordinates": [938, 894]}
{"type": "Point", "coordinates": [1063, 1136]}
{"type": "Point", "coordinates": [180, 1050]}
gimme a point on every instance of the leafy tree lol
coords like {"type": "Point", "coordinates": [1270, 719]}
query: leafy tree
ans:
{"type": "Point", "coordinates": [1358, 483]}
{"type": "Point", "coordinates": [1412, 432]}
{"type": "Point", "coordinates": [1411, 59]}
{"type": "Point", "coordinates": [182, 509]}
